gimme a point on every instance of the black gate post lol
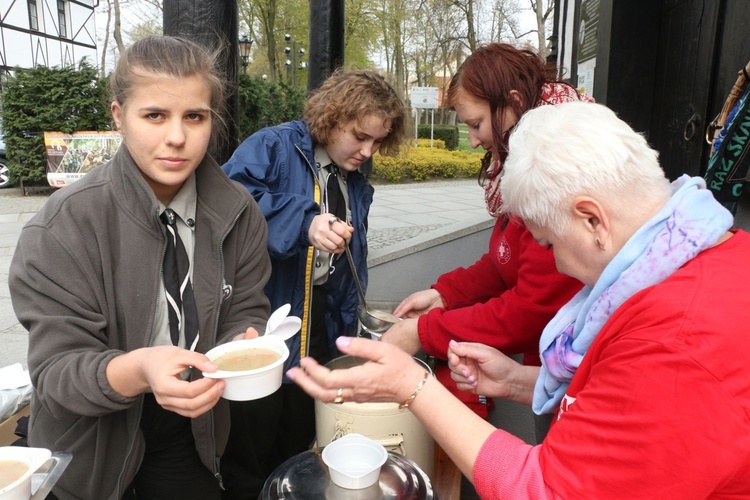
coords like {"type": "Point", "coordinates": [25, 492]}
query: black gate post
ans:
{"type": "Point", "coordinates": [212, 24]}
{"type": "Point", "coordinates": [326, 40]}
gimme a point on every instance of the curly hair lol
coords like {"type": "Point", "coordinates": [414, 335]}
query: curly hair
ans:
{"type": "Point", "coordinates": [353, 95]}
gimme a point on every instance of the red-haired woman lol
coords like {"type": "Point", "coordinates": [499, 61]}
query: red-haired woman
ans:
{"type": "Point", "coordinates": [507, 297]}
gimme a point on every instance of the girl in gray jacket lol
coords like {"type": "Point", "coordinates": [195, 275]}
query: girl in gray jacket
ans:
{"type": "Point", "coordinates": [116, 373]}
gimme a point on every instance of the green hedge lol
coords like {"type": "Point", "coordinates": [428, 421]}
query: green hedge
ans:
{"type": "Point", "coordinates": [264, 103]}
{"type": "Point", "coordinates": [72, 99]}
{"type": "Point", "coordinates": [423, 163]}
{"type": "Point", "coordinates": [44, 99]}
{"type": "Point", "coordinates": [447, 133]}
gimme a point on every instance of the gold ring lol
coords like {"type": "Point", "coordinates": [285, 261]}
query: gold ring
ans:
{"type": "Point", "coordinates": [339, 397]}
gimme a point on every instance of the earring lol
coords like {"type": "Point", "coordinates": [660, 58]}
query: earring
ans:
{"type": "Point", "coordinates": [601, 245]}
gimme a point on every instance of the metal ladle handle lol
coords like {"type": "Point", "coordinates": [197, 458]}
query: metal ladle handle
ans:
{"type": "Point", "coordinates": [354, 273]}
{"type": "Point", "coordinates": [331, 221]}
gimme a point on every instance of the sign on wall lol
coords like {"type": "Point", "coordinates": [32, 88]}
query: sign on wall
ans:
{"type": "Point", "coordinates": [588, 35]}
{"type": "Point", "coordinates": [70, 156]}
{"type": "Point", "coordinates": [588, 30]}
{"type": "Point", "coordinates": [424, 97]}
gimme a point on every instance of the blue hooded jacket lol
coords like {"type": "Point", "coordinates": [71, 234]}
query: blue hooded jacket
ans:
{"type": "Point", "coordinates": [277, 166]}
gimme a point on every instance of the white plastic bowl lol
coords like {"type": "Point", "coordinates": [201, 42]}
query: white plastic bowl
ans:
{"type": "Point", "coordinates": [250, 384]}
{"type": "Point", "coordinates": [33, 458]}
{"type": "Point", "coordinates": [354, 461]}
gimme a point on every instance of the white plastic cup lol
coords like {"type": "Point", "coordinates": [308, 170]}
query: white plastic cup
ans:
{"type": "Point", "coordinates": [354, 461]}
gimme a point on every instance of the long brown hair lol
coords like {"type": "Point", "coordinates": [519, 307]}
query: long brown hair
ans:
{"type": "Point", "coordinates": [491, 72]}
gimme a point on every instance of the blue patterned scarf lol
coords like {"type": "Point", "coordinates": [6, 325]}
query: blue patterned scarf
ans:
{"type": "Point", "coordinates": [690, 222]}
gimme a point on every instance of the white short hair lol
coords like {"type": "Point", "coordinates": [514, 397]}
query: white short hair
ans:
{"type": "Point", "coordinates": [574, 149]}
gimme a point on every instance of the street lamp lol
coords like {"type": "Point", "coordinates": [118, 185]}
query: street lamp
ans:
{"type": "Point", "coordinates": [292, 64]}
{"type": "Point", "coordinates": [245, 46]}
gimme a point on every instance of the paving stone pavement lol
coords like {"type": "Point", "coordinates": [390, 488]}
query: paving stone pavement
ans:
{"type": "Point", "coordinates": [399, 212]}
{"type": "Point", "coordinates": [402, 211]}
{"type": "Point", "coordinates": [15, 211]}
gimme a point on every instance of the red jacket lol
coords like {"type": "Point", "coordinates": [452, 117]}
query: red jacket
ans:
{"type": "Point", "coordinates": [504, 300]}
{"type": "Point", "coordinates": [660, 406]}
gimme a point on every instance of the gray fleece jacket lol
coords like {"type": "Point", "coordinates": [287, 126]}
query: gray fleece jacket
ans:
{"type": "Point", "coordinates": [84, 281]}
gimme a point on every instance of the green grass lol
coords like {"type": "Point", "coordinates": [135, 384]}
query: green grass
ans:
{"type": "Point", "coordinates": [463, 139]}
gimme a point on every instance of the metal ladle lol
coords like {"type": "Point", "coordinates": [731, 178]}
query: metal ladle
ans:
{"type": "Point", "coordinates": [373, 320]}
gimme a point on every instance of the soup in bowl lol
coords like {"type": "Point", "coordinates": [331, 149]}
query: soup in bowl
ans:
{"type": "Point", "coordinates": [251, 368]}
{"type": "Point", "coordinates": [11, 471]}
{"type": "Point", "coordinates": [17, 464]}
{"type": "Point", "coordinates": [251, 358]}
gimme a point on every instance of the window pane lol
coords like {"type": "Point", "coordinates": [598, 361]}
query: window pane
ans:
{"type": "Point", "coordinates": [33, 19]}
{"type": "Point", "coordinates": [61, 17]}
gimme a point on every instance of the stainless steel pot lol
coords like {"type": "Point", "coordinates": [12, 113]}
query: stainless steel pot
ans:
{"type": "Point", "coordinates": [305, 476]}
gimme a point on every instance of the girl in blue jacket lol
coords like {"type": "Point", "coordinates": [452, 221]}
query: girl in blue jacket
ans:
{"type": "Point", "coordinates": [305, 177]}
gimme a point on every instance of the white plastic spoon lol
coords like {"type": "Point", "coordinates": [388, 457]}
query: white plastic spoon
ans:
{"type": "Point", "coordinates": [277, 317]}
{"type": "Point", "coordinates": [288, 327]}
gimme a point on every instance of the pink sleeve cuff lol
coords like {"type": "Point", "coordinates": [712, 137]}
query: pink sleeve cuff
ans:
{"type": "Point", "coordinates": [507, 467]}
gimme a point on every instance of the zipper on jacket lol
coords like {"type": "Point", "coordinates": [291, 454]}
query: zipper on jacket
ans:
{"type": "Point", "coordinates": [217, 474]}
{"type": "Point", "coordinates": [312, 169]}
{"type": "Point", "coordinates": [212, 421]}
{"type": "Point", "coordinates": [129, 455]}
{"type": "Point", "coordinates": [304, 348]}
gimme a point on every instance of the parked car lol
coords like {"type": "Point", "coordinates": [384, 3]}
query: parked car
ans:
{"type": "Point", "coordinates": [4, 170]}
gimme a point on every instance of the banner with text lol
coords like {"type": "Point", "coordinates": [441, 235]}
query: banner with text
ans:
{"type": "Point", "coordinates": [70, 156]}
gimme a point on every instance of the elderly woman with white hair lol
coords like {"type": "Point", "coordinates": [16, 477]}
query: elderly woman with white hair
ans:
{"type": "Point", "coordinates": [647, 368]}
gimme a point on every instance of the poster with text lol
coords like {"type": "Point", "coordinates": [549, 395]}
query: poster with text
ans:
{"type": "Point", "coordinates": [70, 156]}
{"type": "Point", "coordinates": [586, 74]}
{"type": "Point", "coordinates": [588, 30]}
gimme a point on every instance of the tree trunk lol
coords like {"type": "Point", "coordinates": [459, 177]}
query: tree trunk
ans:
{"type": "Point", "coordinates": [471, 34]}
{"type": "Point", "coordinates": [542, 13]}
{"type": "Point", "coordinates": [103, 67]}
{"type": "Point", "coordinates": [118, 28]}
{"type": "Point", "coordinates": [267, 15]}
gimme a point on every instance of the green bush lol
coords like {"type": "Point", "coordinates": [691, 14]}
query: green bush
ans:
{"type": "Point", "coordinates": [264, 103]}
{"type": "Point", "coordinates": [44, 99]}
{"type": "Point", "coordinates": [447, 133]}
{"type": "Point", "coordinates": [421, 163]}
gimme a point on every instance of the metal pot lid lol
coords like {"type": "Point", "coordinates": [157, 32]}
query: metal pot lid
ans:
{"type": "Point", "coordinates": [305, 476]}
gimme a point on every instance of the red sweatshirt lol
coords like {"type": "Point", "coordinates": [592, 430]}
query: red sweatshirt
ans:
{"type": "Point", "coordinates": [504, 300]}
{"type": "Point", "coordinates": [660, 406]}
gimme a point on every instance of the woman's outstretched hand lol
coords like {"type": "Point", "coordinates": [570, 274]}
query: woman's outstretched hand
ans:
{"type": "Point", "coordinates": [389, 375]}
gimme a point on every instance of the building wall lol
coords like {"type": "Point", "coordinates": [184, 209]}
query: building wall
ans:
{"type": "Point", "coordinates": [665, 67]}
{"type": "Point", "coordinates": [23, 46]}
